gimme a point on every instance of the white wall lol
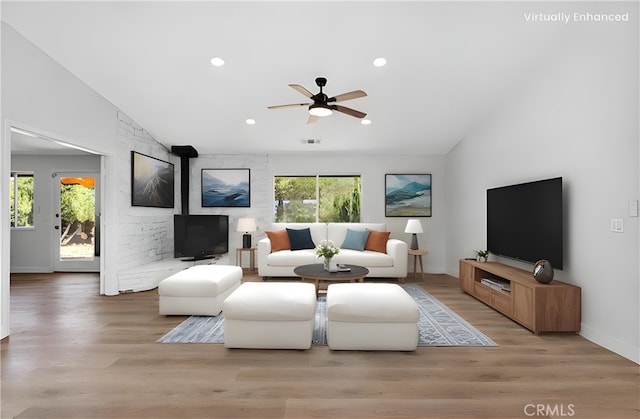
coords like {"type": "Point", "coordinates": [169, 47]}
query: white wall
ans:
{"type": "Point", "coordinates": [31, 249]}
{"type": "Point", "coordinates": [575, 117]}
{"type": "Point", "coordinates": [372, 169]}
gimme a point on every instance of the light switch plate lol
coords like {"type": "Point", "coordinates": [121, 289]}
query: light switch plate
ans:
{"type": "Point", "coordinates": [617, 225]}
{"type": "Point", "coordinates": [633, 208]}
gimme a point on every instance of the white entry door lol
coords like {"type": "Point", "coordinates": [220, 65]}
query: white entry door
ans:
{"type": "Point", "coordinates": [76, 238]}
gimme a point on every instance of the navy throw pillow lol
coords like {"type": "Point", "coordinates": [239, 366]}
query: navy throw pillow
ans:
{"type": "Point", "coordinates": [300, 239]}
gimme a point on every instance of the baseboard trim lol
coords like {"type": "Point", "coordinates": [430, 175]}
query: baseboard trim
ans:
{"type": "Point", "coordinates": [611, 343]}
{"type": "Point", "coordinates": [31, 270]}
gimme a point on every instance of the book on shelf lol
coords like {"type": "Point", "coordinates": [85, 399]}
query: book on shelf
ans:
{"type": "Point", "coordinates": [501, 285]}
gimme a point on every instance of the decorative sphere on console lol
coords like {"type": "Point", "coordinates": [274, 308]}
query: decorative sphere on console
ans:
{"type": "Point", "coordinates": [543, 271]}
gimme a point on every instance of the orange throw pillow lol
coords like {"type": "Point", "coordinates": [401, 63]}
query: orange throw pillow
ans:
{"type": "Point", "coordinates": [377, 241]}
{"type": "Point", "coordinates": [279, 240]}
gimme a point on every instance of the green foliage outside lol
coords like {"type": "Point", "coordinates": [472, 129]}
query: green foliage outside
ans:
{"type": "Point", "coordinates": [77, 211]}
{"type": "Point", "coordinates": [24, 201]}
{"type": "Point", "coordinates": [346, 202]}
{"type": "Point", "coordinates": [296, 201]}
{"type": "Point", "coordinates": [77, 203]}
{"type": "Point", "coordinates": [294, 196]}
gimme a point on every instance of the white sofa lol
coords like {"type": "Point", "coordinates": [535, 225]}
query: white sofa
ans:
{"type": "Point", "coordinates": [392, 264]}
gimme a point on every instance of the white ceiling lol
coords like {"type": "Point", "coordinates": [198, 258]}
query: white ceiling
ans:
{"type": "Point", "coordinates": [448, 65]}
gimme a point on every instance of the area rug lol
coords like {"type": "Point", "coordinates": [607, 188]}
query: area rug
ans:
{"type": "Point", "coordinates": [438, 325]}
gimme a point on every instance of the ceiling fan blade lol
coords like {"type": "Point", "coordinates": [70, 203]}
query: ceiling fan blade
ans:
{"type": "Point", "coordinates": [292, 105]}
{"type": "Point", "coordinates": [312, 119]}
{"type": "Point", "coordinates": [348, 111]}
{"type": "Point", "coordinates": [301, 90]}
{"type": "Point", "coordinates": [348, 96]}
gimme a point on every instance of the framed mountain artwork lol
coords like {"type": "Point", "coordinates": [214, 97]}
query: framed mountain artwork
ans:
{"type": "Point", "coordinates": [407, 195]}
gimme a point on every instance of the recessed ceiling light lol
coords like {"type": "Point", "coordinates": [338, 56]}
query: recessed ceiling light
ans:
{"type": "Point", "coordinates": [250, 121]}
{"type": "Point", "coordinates": [366, 122]}
{"type": "Point", "coordinates": [217, 61]}
{"type": "Point", "coordinates": [379, 62]}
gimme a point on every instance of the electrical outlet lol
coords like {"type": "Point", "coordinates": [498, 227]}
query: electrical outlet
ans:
{"type": "Point", "coordinates": [617, 225]}
{"type": "Point", "coordinates": [633, 208]}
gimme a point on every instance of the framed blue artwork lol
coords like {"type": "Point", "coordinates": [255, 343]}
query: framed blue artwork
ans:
{"type": "Point", "coordinates": [226, 188]}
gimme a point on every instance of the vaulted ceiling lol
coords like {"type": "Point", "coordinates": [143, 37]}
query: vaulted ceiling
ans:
{"type": "Point", "coordinates": [448, 66]}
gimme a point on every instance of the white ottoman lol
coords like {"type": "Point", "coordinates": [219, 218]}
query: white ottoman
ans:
{"type": "Point", "coordinates": [199, 290]}
{"type": "Point", "coordinates": [273, 315]}
{"type": "Point", "coordinates": [371, 317]}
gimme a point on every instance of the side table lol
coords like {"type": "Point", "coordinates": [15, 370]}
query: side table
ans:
{"type": "Point", "coordinates": [252, 257]}
{"type": "Point", "coordinates": [417, 254]}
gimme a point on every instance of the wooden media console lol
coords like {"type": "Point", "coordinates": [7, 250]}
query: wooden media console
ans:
{"type": "Point", "coordinates": [553, 307]}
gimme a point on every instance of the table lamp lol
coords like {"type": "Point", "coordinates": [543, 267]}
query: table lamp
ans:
{"type": "Point", "coordinates": [246, 225]}
{"type": "Point", "coordinates": [414, 227]}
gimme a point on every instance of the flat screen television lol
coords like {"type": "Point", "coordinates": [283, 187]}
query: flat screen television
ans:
{"type": "Point", "coordinates": [200, 236]}
{"type": "Point", "coordinates": [525, 221]}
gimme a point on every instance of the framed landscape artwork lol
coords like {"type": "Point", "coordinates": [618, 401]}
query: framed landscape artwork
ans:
{"type": "Point", "coordinates": [152, 182]}
{"type": "Point", "coordinates": [226, 188]}
{"type": "Point", "coordinates": [407, 195]}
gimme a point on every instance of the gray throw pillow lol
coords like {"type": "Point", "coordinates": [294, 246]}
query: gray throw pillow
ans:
{"type": "Point", "coordinates": [355, 239]}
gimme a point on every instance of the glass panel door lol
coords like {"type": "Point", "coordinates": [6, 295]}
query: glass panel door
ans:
{"type": "Point", "coordinates": [77, 241]}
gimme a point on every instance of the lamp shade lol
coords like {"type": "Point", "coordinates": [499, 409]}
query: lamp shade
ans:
{"type": "Point", "coordinates": [413, 226]}
{"type": "Point", "coordinates": [246, 224]}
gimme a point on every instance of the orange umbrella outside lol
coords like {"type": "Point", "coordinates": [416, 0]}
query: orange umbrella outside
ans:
{"type": "Point", "coordinates": [88, 182]}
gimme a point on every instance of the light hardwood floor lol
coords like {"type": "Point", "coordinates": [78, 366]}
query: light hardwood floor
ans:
{"type": "Point", "coordinates": [75, 354]}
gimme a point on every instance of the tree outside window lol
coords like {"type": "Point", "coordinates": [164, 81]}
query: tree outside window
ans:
{"type": "Point", "coordinates": [317, 199]}
{"type": "Point", "coordinates": [21, 196]}
{"type": "Point", "coordinates": [77, 209]}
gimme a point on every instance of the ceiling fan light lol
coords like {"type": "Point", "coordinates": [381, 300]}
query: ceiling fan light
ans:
{"type": "Point", "coordinates": [319, 110]}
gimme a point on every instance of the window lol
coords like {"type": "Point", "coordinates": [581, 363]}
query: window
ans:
{"type": "Point", "coordinates": [21, 195]}
{"type": "Point", "coordinates": [317, 199]}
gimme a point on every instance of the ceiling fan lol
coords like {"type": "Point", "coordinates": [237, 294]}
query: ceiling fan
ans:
{"type": "Point", "coordinates": [323, 105]}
